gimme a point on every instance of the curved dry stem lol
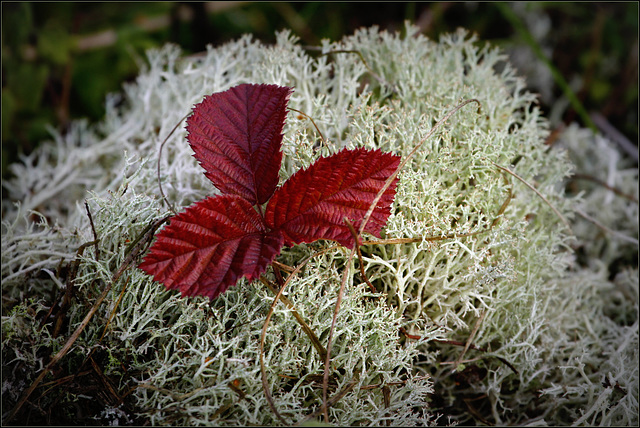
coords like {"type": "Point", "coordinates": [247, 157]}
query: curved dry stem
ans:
{"type": "Point", "coordinates": [495, 221]}
{"type": "Point", "coordinates": [68, 293]}
{"type": "Point", "coordinates": [327, 361]}
{"type": "Point", "coordinates": [113, 312]}
{"type": "Point", "coordinates": [603, 184]}
{"type": "Point", "coordinates": [470, 339]}
{"type": "Point", "coordinates": [504, 205]}
{"type": "Point", "coordinates": [615, 233]}
{"type": "Point", "coordinates": [263, 334]}
{"type": "Point", "coordinates": [508, 171]}
{"type": "Point", "coordinates": [171, 207]}
{"type": "Point", "coordinates": [333, 400]}
{"type": "Point", "coordinates": [312, 121]}
{"type": "Point", "coordinates": [357, 247]}
{"type": "Point", "coordinates": [305, 327]}
{"type": "Point", "coordinates": [430, 238]}
{"type": "Point", "coordinates": [356, 250]}
{"type": "Point", "coordinates": [93, 230]}
{"type": "Point", "coordinates": [325, 381]}
{"type": "Point", "coordinates": [406, 159]}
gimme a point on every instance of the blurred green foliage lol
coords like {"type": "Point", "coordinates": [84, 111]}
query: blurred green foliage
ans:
{"type": "Point", "coordinates": [49, 79]}
{"type": "Point", "coordinates": [59, 60]}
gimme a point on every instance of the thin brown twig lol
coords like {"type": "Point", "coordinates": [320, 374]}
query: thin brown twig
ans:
{"type": "Point", "coordinates": [397, 383]}
{"type": "Point", "coordinates": [372, 206]}
{"type": "Point", "coordinates": [507, 170]}
{"type": "Point", "coordinates": [68, 292]}
{"type": "Point", "coordinates": [424, 238]}
{"type": "Point", "coordinates": [505, 204]}
{"type": "Point", "coordinates": [333, 400]}
{"type": "Point", "coordinates": [355, 238]}
{"type": "Point", "coordinates": [263, 334]}
{"type": "Point", "coordinates": [476, 326]}
{"type": "Point", "coordinates": [312, 121]}
{"type": "Point", "coordinates": [93, 230]}
{"type": "Point", "coordinates": [127, 262]}
{"type": "Point", "coordinates": [113, 312]}
{"type": "Point", "coordinates": [105, 381]}
{"type": "Point", "coordinates": [327, 361]}
{"type": "Point", "coordinates": [458, 343]}
{"type": "Point", "coordinates": [603, 184]}
{"type": "Point", "coordinates": [173, 210]}
{"type": "Point", "coordinates": [283, 267]}
{"type": "Point", "coordinates": [305, 327]}
{"type": "Point", "coordinates": [495, 221]}
{"type": "Point", "coordinates": [65, 379]}
{"type": "Point", "coordinates": [621, 236]}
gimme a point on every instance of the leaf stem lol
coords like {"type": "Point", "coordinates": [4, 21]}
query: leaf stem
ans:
{"type": "Point", "coordinates": [327, 361]}
{"type": "Point", "coordinates": [263, 334]}
{"type": "Point", "coordinates": [325, 380]}
{"type": "Point", "coordinates": [171, 207]}
{"type": "Point", "coordinates": [312, 121]}
{"type": "Point", "coordinates": [305, 327]}
{"type": "Point", "coordinates": [406, 159]}
{"type": "Point", "coordinates": [507, 170]}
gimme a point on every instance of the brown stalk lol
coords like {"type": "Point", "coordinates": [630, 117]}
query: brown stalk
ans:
{"type": "Point", "coordinates": [312, 121]}
{"type": "Point", "coordinates": [263, 335]}
{"type": "Point", "coordinates": [605, 185]}
{"type": "Point", "coordinates": [508, 171]}
{"type": "Point", "coordinates": [621, 236]}
{"type": "Point", "coordinates": [173, 210]}
{"type": "Point", "coordinates": [93, 230]}
{"type": "Point", "coordinates": [374, 204]}
{"type": "Point", "coordinates": [327, 361]}
{"type": "Point", "coordinates": [470, 339]}
{"type": "Point", "coordinates": [68, 293]}
{"type": "Point", "coordinates": [355, 237]}
{"type": "Point", "coordinates": [305, 327]}
{"type": "Point", "coordinates": [65, 379]}
{"type": "Point", "coordinates": [113, 312]}
{"type": "Point", "coordinates": [106, 382]}
{"type": "Point", "coordinates": [137, 249]}
{"type": "Point", "coordinates": [325, 383]}
{"type": "Point", "coordinates": [333, 400]}
{"type": "Point", "coordinates": [495, 221]}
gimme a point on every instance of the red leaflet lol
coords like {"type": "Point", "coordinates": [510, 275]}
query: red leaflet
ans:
{"type": "Point", "coordinates": [208, 247]}
{"type": "Point", "coordinates": [313, 203]}
{"type": "Point", "coordinates": [236, 136]}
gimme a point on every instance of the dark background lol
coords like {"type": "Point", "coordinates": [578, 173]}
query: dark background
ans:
{"type": "Point", "coordinates": [59, 60]}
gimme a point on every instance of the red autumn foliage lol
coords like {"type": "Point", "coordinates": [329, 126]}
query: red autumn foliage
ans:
{"type": "Point", "coordinates": [210, 245]}
{"type": "Point", "coordinates": [313, 203]}
{"type": "Point", "coordinates": [236, 136]}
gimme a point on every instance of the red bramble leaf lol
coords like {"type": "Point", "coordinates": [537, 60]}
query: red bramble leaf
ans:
{"type": "Point", "coordinates": [314, 202]}
{"type": "Point", "coordinates": [208, 247]}
{"type": "Point", "coordinates": [236, 136]}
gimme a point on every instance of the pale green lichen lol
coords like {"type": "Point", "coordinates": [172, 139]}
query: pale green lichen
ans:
{"type": "Point", "coordinates": [567, 328]}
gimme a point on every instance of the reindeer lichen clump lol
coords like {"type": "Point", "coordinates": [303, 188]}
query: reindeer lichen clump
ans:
{"type": "Point", "coordinates": [482, 300]}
